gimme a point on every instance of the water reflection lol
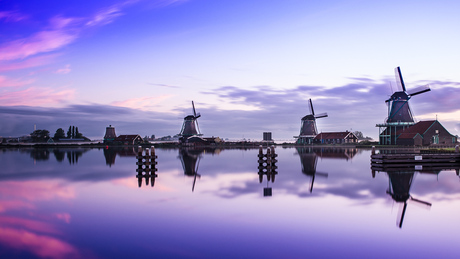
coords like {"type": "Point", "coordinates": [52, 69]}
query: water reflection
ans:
{"type": "Point", "coordinates": [400, 179]}
{"type": "Point", "coordinates": [309, 159]}
{"type": "Point", "coordinates": [267, 166]}
{"type": "Point", "coordinates": [110, 153]}
{"type": "Point", "coordinates": [43, 154]}
{"type": "Point", "coordinates": [146, 166]}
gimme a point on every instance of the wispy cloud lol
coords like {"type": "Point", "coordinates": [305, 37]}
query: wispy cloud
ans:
{"type": "Point", "coordinates": [64, 70]}
{"type": "Point", "coordinates": [37, 96]}
{"type": "Point", "coordinates": [12, 16]}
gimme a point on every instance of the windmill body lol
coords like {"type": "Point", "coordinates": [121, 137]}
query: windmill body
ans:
{"type": "Point", "coordinates": [308, 130]}
{"type": "Point", "coordinates": [399, 112]}
{"type": "Point", "coordinates": [190, 125]}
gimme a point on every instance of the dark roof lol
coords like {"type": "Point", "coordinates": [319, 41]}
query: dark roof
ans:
{"type": "Point", "coordinates": [408, 135]}
{"type": "Point", "coordinates": [420, 127]}
{"type": "Point", "coordinates": [333, 135]}
{"type": "Point", "coordinates": [127, 137]}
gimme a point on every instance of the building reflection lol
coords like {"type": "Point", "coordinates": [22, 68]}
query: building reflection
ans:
{"type": "Point", "coordinates": [400, 180]}
{"type": "Point", "coordinates": [110, 153]}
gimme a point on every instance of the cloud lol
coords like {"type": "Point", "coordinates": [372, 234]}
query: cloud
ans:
{"type": "Point", "coordinates": [8, 82]}
{"type": "Point", "coordinates": [64, 70]}
{"type": "Point", "coordinates": [37, 96]}
{"type": "Point", "coordinates": [11, 16]}
{"type": "Point", "coordinates": [40, 42]}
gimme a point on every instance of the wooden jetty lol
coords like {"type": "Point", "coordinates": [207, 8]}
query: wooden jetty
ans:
{"type": "Point", "coordinates": [414, 160]}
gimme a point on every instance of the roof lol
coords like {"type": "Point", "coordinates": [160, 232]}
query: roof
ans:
{"type": "Point", "coordinates": [127, 137]}
{"type": "Point", "coordinates": [420, 127]}
{"type": "Point", "coordinates": [334, 135]}
{"type": "Point", "coordinates": [409, 135]}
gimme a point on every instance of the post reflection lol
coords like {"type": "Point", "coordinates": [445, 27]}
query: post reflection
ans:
{"type": "Point", "coordinates": [146, 166]}
{"type": "Point", "coordinates": [267, 166]}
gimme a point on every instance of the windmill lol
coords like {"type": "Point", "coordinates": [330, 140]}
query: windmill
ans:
{"type": "Point", "coordinates": [190, 125]}
{"type": "Point", "coordinates": [308, 129]}
{"type": "Point", "coordinates": [398, 103]}
{"type": "Point", "coordinates": [399, 112]}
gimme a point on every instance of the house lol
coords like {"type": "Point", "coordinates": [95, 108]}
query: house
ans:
{"type": "Point", "coordinates": [425, 133]}
{"type": "Point", "coordinates": [344, 137]}
{"type": "Point", "coordinates": [128, 139]}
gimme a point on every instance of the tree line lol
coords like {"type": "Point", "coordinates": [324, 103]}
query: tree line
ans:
{"type": "Point", "coordinates": [44, 135]}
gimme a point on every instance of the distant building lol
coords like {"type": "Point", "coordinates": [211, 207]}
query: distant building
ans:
{"type": "Point", "coordinates": [128, 140]}
{"type": "Point", "coordinates": [335, 138]}
{"type": "Point", "coordinates": [425, 133]}
{"type": "Point", "coordinates": [110, 135]}
{"type": "Point", "coordinates": [267, 136]}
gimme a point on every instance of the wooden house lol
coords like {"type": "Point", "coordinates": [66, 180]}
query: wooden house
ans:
{"type": "Point", "coordinates": [129, 139]}
{"type": "Point", "coordinates": [344, 137]}
{"type": "Point", "coordinates": [425, 133]}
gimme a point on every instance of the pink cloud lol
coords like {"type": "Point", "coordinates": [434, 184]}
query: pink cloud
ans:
{"type": "Point", "coordinates": [28, 63]}
{"type": "Point", "coordinates": [64, 70]}
{"type": "Point", "coordinates": [43, 41]}
{"type": "Point", "coordinates": [142, 103]}
{"type": "Point", "coordinates": [8, 82]}
{"type": "Point", "coordinates": [37, 96]}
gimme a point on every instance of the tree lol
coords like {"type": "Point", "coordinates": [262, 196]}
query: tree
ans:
{"type": "Point", "coordinates": [40, 135]}
{"type": "Point", "coordinates": [73, 131]}
{"type": "Point", "coordinates": [69, 132]}
{"type": "Point", "coordinates": [59, 134]}
{"type": "Point", "coordinates": [78, 134]}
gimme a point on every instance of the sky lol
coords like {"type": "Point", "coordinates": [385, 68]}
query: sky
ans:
{"type": "Point", "coordinates": [249, 66]}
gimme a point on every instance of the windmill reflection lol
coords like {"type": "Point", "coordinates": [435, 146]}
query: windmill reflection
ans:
{"type": "Point", "coordinates": [401, 176]}
{"type": "Point", "coordinates": [267, 166]}
{"type": "Point", "coordinates": [399, 187]}
{"type": "Point", "coordinates": [190, 159]}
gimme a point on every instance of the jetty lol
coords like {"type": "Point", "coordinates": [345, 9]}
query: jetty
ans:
{"type": "Point", "coordinates": [416, 160]}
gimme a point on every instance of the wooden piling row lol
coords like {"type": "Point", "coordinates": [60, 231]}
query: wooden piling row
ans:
{"type": "Point", "coordinates": [267, 163]}
{"type": "Point", "coordinates": [146, 165]}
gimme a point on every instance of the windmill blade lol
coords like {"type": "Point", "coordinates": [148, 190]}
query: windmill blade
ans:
{"type": "Point", "coordinates": [194, 112]}
{"type": "Point", "coordinates": [322, 174]}
{"type": "Point", "coordinates": [420, 90]}
{"type": "Point", "coordinates": [427, 204]}
{"type": "Point", "coordinates": [312, 112]}
{"type": "Point", "coordinates": [321, 115]}
{"type": "Point", "coordinates": [399, 79]}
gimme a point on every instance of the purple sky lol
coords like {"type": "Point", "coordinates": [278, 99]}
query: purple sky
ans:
{"type": "Point", "coordinates": [250, 66]}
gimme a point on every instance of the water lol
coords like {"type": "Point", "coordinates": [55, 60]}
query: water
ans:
{"type": "Point", "coordinates": [73, 203]}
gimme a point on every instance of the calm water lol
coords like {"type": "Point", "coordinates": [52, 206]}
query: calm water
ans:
{"type": "Point", "coordinates": [73, 203]}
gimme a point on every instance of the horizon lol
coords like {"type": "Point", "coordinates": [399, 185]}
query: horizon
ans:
{"type": "Point", "coordinates": [249, 66]}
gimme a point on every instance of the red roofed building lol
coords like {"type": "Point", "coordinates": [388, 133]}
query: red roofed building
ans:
{"type": "Point", "coordinates": [425, 133]}
{"type": "Point", "coordinates": [129, 139]}
{"type": "Point", "coordinates": [335, 138]}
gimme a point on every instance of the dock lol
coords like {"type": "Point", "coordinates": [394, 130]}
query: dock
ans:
{"type": "Point", "coordinates": [415, 161]}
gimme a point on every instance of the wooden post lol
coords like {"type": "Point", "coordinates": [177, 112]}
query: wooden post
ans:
{"type": "Point", "coordinates": [373, 150]}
